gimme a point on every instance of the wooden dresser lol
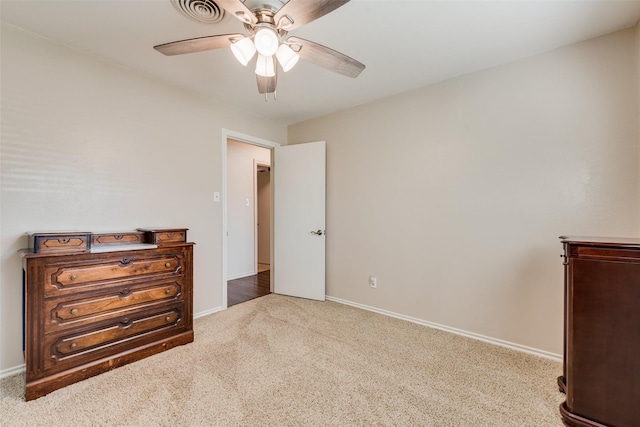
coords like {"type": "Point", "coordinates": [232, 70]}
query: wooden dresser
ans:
{"type": "Point", "coordinates": [94, 302]}
{"type": "Point", "coordinates": [601, 375]}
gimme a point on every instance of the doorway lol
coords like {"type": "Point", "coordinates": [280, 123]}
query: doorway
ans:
{"type": "Point", "coordinates": [247, 216]}
{"type": "Point", "coordinates": [297, 234]}
{"type": "Point", "coordinates": [258, 283]}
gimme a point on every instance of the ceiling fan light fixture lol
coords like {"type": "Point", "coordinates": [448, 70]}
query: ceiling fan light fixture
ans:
{"type": "Point", "coordinates": [243, 50]}
{"type": "Point", "coordinates": [265, 66]}
{"type": "Point", "coordinates": [286, 57]}
{"type": "Point", "coordinates": [267, 24]}
{"type": "Point", "coordinates": [266, 41]}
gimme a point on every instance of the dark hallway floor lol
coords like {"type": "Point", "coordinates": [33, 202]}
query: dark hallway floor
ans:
{"type": "Point", "coordinates": [248, 288]}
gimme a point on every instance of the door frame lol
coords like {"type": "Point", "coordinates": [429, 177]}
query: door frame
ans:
{"type": "Point", "coordinates": [248, 139]}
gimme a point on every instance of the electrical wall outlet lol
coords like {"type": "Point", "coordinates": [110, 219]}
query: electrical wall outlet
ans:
{"type": "Point", "coordinates": [373, 282]}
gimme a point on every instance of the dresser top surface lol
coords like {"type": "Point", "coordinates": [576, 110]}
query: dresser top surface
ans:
{"type": "Point", "coordinates": [633, 242]}
{"type": "Point", "coordinates": [57, 233]}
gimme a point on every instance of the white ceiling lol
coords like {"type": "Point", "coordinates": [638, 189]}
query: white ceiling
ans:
{"type": "Point", "coordinates": [404, 44]}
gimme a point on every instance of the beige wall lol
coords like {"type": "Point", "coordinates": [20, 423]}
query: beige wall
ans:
{"type": "Point", "coordinates": [454, 195]}
{"type": "Point", "coordinates": [88, 145]}
{"type": "Point", "coordinates": [241, 219]}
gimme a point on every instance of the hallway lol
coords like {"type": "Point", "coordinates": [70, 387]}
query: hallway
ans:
{"type": "Point", "coordinates": [248, 288]}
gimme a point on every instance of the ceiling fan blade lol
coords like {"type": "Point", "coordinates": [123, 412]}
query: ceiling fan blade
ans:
{"type": "Point", "coordinates": [198, 44]}
{"type": "Point", "coordinates": [267, 84]}
{"type": "Point", "coordinates": [238, 10]}
{"type": "Point", "coordinates": [328, 58]}
{"type": "Point", "coordinates": [302, 12]}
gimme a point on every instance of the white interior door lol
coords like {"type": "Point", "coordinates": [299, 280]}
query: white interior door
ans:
{"type": "Point", "coordinates": [299, 220]}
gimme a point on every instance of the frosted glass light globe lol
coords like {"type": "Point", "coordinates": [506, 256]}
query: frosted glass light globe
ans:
{"type": "Point", "coordinates": [243, 50]}
{"type": "Point", "coordinates": [287, 57]}
{"type": "Point", "coordinates": [266, 41]}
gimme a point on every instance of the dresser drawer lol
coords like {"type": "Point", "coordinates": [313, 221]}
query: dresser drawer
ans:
{"type": "Point", "coordinates": [113, 337]}
{"type": "Point", "coordinates": [60, 279]}
{"type": "Point", "coordinates": [60, 242]}
{"type": "Point", "coordinates": [171, 237]}
{"type": "Point", "coordinates": [161, 236]}
{"type": "Point", "coordinates": [135, 237]}
{"type": "Point", "coordinates": [73, 312]}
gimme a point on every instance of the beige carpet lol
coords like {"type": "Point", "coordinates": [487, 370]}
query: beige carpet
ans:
{"type": "Point", "coordinates": [284, 361]}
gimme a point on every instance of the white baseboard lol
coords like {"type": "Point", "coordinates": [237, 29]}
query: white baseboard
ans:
{"type": "Point", "coordinates": [207, 312]}
{"type": "Point", "coordinates": [490, 340]}
{"type": "Point", "coordinates": [241, 275]}
{"type": "Point", "coordinates": [9, 372]}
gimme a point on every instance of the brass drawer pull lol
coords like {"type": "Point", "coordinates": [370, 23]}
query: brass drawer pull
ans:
{"type": "Point", "coordinates": [167, 291]}
{"type": "Point", "coordinates": [168, 264]}
{"type": "Point", "coordinates": [74, 311]}
{"type": "Point", "coordinates": [73, 345]}
{"type": "Point", "coordinates": [168, 318]}
{"type": "Point", "coordinates": [73, 277]}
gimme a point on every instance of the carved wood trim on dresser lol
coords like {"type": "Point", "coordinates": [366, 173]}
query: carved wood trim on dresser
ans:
{"type": "Point", "coordinates": [94, 302]}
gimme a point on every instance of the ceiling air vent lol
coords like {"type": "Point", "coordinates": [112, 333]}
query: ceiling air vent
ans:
{"type": "Point", "coordinates": [205, 11]}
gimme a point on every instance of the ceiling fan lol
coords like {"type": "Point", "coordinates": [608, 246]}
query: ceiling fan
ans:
{"type": "Point", "coordinates": [267, 23]}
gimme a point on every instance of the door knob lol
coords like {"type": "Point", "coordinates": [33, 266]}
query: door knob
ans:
{"type": "Point", "coordinates": [318, 233]}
